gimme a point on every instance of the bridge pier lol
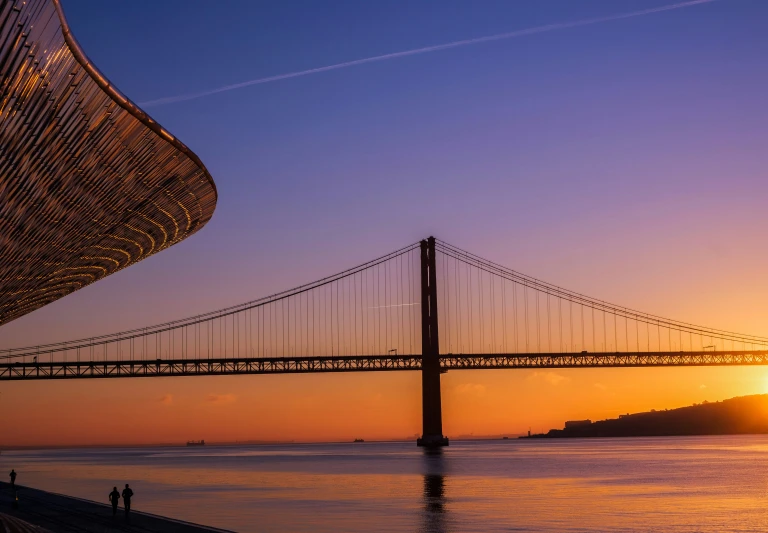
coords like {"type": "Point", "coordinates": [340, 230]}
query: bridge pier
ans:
{"type": "Point", "coordinates": [431, 403]}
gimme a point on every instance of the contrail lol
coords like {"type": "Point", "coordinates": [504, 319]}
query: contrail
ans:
{"type": "Point", "coordinates": [394, 305]}
{"type": "Point", "coordinates": [424, 50]}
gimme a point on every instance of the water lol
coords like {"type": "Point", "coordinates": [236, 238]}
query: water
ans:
{"type": "Point", "coordinates": [704, 484]}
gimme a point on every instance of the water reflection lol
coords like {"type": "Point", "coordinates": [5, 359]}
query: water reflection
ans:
{"type": "Point", "coordinates": [673, 485]}
{"type": "Point", "coordinates": [435, 519]}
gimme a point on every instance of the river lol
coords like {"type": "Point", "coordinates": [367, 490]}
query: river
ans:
{"type": "Point", "coordinates": [674, 484]}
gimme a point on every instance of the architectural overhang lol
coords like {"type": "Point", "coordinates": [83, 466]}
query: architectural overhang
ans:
{"type": "Point", "coordinates": [89, 183]}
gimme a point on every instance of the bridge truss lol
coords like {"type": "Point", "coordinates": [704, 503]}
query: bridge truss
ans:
{"type": "Point", "coordinates": [368, 363]}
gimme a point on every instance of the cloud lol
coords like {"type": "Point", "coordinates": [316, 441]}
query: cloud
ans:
{"type": "Point", "coordinates": [166, 399]}
{"type": "Point", "coordinates": [425, 50]}
{"type": "Point", "coordinates": [702, 386]}
{"type": "Point", "coordinates": [470, 388]}
{"type": "Point", "coordinates": [600, 386]}
{"type": "Point", "coordinates": [220, 399]}
{"type": "Point", "coordinates": [548, 377]}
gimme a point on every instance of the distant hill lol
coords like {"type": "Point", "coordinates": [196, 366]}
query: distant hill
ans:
{"type": "Point", "coordinates": [745, 414]}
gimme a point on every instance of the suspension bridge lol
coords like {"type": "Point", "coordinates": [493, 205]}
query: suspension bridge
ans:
{"type": "Point", "coordinates": [429, 306]}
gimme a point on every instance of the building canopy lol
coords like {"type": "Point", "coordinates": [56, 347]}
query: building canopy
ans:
{"type": "Point", "coordinates": [89, 183]}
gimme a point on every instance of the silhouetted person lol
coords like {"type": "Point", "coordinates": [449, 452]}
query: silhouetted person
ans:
{"type": "Point", "coordinates": [114, 497]}
{"type": "Point", "coordinates": [14, 491]}
{"type": "Point", "coordinates": [127, 494]}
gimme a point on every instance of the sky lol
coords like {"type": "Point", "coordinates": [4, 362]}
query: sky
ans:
{"type": "Point", "coordinates": [623, 159]}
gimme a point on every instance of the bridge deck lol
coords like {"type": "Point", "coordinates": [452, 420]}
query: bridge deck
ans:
{"type": "Point", "coordinates": [368, 363]}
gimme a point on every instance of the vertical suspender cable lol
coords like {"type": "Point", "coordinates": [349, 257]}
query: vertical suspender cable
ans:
{"type": "Point", "coordinates": [525, 297]}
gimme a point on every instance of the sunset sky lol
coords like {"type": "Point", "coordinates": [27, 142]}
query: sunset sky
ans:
{"type": "Point", "coordinates": [623, 159]}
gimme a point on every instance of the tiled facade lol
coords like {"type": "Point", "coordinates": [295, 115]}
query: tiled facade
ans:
{"type": "Point", "coordinates": [89, 184]}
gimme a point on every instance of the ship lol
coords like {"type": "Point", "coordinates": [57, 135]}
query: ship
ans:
{"type": "Point", "coordinates": [196, 443]}
{"type": "Point", "coordinates": [358, 440]}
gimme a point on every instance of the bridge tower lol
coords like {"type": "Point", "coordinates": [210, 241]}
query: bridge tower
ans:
{"type": "Point", "coordinates": [431, 409]}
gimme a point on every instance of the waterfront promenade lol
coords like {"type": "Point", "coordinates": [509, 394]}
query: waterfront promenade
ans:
{"type": "Point", "coordinates": [58, 513]}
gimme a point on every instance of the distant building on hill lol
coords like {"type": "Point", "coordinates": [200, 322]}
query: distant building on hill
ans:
{"type": "Point", "coordinates": [570, 424]}
{"type": "Point", "coordinates": [737, 416]}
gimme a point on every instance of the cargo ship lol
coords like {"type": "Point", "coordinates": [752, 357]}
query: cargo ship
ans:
{"type": "Point", "coordinates": [196, 443]}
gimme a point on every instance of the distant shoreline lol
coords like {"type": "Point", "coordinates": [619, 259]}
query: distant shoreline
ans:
{"type": "Point", "coordinates": [541, 436]}
{"type": "Point", "coordinates": [744, 415]}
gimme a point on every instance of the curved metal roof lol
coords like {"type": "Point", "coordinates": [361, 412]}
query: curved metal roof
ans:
{"type": "Point", "coordinates": [89, 183]}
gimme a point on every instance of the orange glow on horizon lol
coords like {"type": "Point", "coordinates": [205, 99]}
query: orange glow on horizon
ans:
{"type": "Point", "coordinates": [341, 407]}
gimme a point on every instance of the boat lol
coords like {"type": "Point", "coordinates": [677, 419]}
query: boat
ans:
{"type": "Point", "coordinates": [358, 440]}
{"type": "Point", "coordinates": [196, 443]}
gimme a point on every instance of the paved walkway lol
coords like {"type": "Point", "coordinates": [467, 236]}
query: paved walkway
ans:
{"type": "Point", "coordinates": [9, 524]}
{"type": "Point", "coordinates": [62, 514]}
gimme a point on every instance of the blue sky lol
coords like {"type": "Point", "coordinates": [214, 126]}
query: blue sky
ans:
{"type": "Point", "coordinates": [625, 160]}
{"type": "Point", "coordinates": [576, 155]}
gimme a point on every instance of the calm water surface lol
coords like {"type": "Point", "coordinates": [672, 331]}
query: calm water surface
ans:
{"type": "Point", "coordinates": [704, 484]}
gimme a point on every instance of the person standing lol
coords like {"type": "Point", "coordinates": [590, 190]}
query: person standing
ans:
{"type": "Point", "coordinates": [114, 497]}
{"type": "Point", "coordinates": [127, 494]}
{"type": "Point", "coordinates": [14, 493]}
